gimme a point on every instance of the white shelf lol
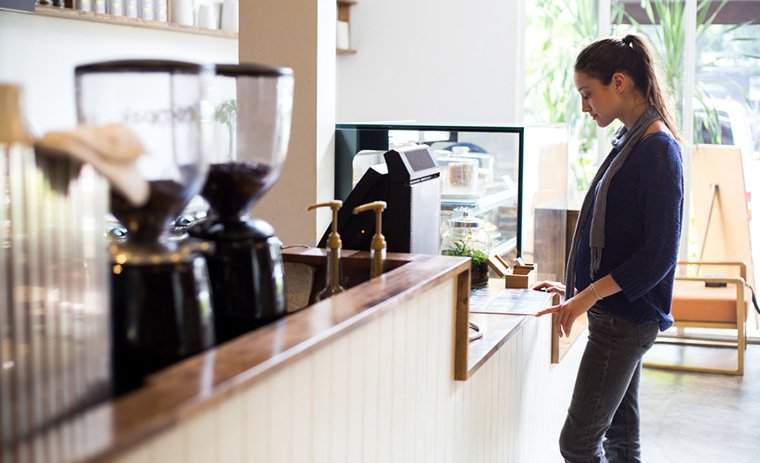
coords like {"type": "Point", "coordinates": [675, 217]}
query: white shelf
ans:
{"type": "Point", "coordinates": [68, 13]}
{"type": "Point", "coordinates": [479, 204]}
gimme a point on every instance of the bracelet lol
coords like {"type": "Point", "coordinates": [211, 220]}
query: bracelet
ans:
{"type": "Point", "coordinates": [593, 290]}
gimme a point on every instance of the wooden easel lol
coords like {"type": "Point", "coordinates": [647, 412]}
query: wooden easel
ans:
{"type": "Point", "coordinates": [718, 181]}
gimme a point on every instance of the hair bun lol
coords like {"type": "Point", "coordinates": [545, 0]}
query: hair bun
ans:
{"type": "Point", "coordinates": [628, 40]}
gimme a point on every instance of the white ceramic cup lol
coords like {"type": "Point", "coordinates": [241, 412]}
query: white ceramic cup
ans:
{"type": "Point", "coordinates": [160, 10]}
{"type": "Point", "coordinates": [207, 16]}
{"type": "Point", "coordinates": [230, 16]}
{"type": "Point", "coordinates": [132, 9]}
{"type": "Point", "coordinates": [182, 12]}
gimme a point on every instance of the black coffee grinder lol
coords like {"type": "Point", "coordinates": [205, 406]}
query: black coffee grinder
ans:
{"type": "Point", "coordinates": [252, 114]}
{"type": "Point", "coordinates": [160, 306]}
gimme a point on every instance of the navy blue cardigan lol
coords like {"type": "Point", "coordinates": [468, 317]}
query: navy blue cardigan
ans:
{"type": "Point", "coordinates": [642, 231]}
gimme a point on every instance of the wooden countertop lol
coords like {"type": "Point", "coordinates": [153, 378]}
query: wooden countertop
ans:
{"type": "Point", "coordinates": [182, 391]}
{"type": "Point", "coordinates": [499, 312]}
{"type": "Point", "coordinates": [497, 330]}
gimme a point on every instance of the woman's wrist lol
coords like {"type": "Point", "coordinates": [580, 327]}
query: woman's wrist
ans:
{"type": "Point", "coordinates": [594, 291]}
{"type": "Point", "coordinates": [588, 298]}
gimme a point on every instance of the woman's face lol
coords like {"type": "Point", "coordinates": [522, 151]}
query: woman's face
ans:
{"type": "Point", "coordinates": [602, 102]}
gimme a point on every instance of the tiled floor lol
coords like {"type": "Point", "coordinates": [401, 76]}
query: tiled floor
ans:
{"type": "Point", "coordinates": [700, 418]}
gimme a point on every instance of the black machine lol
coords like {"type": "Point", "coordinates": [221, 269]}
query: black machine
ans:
{"type": "Point", "coordinates": [160, 310]}
{"type": "Point", "coordinates": [174, 296]}
{"type": "Point", "coordinates": [254, 110]}
{"type": "Point", "coordinates": [410, 183]}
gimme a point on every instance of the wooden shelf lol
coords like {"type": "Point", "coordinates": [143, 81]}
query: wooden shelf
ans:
{"type": "Point", "coordinates": [68, 13]}
{"type": "Point", "coordinates": [344, 15]}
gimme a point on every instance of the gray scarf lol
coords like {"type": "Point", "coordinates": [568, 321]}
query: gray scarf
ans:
{"type": "Point", "coordinates": [624, 142]}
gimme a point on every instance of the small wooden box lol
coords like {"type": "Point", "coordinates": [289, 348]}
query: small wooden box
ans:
{"type": "Point", "coordinates": [522, 276]}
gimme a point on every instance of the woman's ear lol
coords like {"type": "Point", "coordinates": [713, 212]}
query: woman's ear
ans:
{"type": "Point", "coordinates": [620, 81]}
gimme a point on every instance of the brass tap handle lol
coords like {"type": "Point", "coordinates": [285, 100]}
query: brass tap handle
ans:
{"type": "Point", "coordinates": [377, 250]}
{"type": "Point", "coordinates": [333, 239]}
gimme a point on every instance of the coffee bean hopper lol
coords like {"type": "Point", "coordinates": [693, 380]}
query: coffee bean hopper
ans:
{"type": "Point", "coordinates": [252, 107]}
{"type": "Point", "coordinates": [160, 304]}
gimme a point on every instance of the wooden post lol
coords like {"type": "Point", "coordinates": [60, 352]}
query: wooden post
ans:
{"type": "Point", "coordinates": [299, 34]}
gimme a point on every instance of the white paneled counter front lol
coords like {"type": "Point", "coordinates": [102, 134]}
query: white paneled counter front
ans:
{"type": "Point", "coordinates": [385, 392]}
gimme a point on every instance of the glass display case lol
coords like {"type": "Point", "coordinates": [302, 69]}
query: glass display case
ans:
{"type": "Point", "coordinates": [498, 174]}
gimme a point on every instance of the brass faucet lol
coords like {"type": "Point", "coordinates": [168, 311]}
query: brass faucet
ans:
{"type": "Point", "coordinates": [377, 250]}
{"type": "Point", "coordinates": [334, 244]}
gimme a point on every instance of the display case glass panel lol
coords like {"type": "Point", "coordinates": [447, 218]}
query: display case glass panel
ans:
{"type": "Point", "coordinates": [496, 174]}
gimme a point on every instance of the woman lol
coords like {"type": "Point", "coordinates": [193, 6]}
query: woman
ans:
{"type": "Point", "coordinates": [623, 258]}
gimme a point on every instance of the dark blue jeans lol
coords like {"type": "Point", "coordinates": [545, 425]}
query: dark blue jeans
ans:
{"type": "Point", "coordinates": [602, 423]}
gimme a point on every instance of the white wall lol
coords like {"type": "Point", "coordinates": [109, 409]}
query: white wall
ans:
{"type": "Point", "coordinates": [41, 53]}
{"type": "Point", "coordinates": [433, 61]}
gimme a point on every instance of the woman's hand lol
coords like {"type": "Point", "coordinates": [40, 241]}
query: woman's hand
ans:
{"type": "Point", "coordinates": [580, 303]}
{"type": "Point", "coordinates": [569, 311]}
{"type": "Point", "coordinates": [554, 287]}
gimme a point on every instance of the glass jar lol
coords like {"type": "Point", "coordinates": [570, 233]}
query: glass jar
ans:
{"type": "Point", "coordinates": [465, 234]}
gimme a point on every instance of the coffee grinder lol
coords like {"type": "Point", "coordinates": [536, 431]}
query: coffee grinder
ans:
{"type": "Point", "coordinates": [252, 114]}
{"type": "Point", "coordinates": [160, 306]}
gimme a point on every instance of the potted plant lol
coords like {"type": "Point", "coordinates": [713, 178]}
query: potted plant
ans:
{"type": "Point", "coordinates": [478, 263]}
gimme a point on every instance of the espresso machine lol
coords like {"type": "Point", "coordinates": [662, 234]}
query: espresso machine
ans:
{"type": "Point", "coordinates": [252, 107]}
{"type": "Point", "coordinates": [161, 310]}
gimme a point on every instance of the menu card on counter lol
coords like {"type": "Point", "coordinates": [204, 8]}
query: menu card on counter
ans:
{"type": "Point", "coordinates": [509, 301]}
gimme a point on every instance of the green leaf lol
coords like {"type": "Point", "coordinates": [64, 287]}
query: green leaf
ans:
{"type": "Point", "coordinates": [648, 9]}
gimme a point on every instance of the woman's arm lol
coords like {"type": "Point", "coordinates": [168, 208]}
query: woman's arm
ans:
{"type": "Point", "coordinates": [661, 197]}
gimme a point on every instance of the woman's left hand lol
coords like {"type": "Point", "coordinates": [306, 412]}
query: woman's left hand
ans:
{"type": "Point", "coordinates": [569, 311]}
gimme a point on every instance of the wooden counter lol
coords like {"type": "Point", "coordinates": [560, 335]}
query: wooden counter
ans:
{"type": "Point", "coordinates": [188, 388]}
{"type": "Point", "coordinates": [368, 375]}
{"type": "Point", "coordinates": [501, 311]}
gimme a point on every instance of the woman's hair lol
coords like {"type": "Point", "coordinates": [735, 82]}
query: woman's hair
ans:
{"type": "Point", "coordinates": [630, 55]}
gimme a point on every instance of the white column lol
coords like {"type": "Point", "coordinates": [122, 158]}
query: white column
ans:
{"type": "Point", "coordinates": [299, 34]}
{"type": "Point", "coordinates": [604, 29]}
{"type": "Point", "coordinates": [604, 17]}
{"type": "Point", "coordinates": [518, 91]}
{"type": "Point", "coordinates": [689, 68]}
{"type": "Point", "coordinates": [689, 81]}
